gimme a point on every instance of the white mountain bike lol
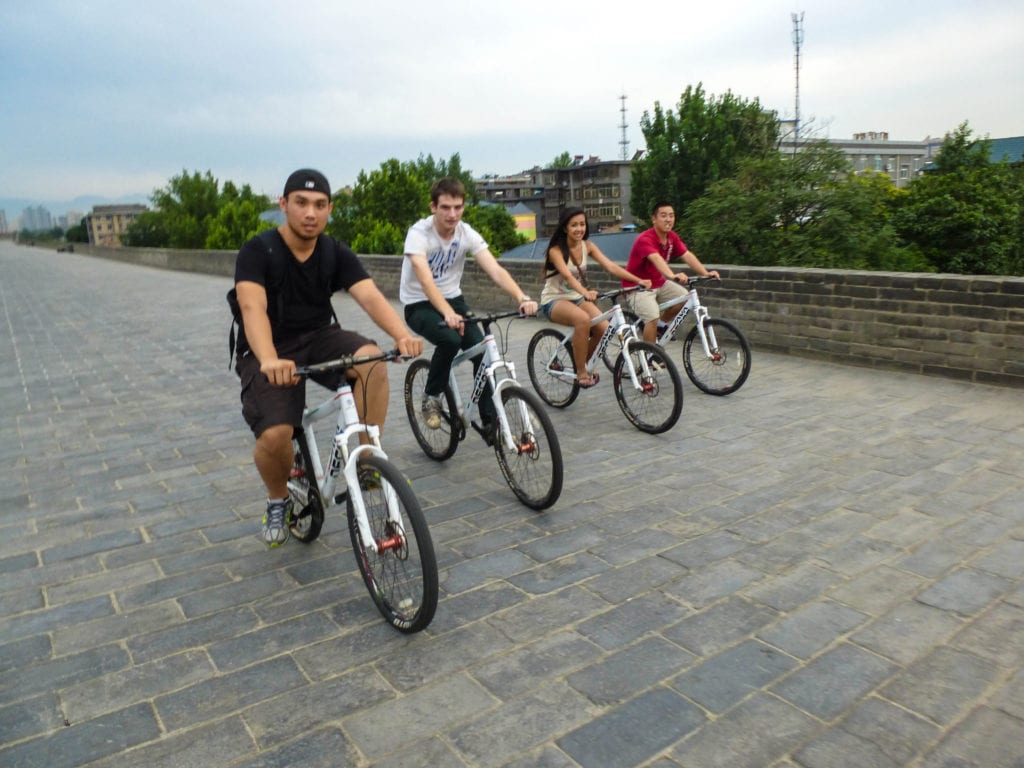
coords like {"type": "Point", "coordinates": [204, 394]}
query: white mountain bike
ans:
{"type": "Point", "coordinates": [389, 533]}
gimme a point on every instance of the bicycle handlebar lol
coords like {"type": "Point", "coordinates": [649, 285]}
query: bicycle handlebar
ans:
{"type": "Point", "coordinates": [698, 279]}
{"type": "Point", "coordinates": [612, 293]}
{"type": "Point", "coordinates": [348, 361]}
{"type": "Point", "coordinates": [472, 317]}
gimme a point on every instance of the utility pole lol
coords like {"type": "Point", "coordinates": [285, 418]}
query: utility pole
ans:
{"type": "Point", "coordinates": [623, 142]}
{"type": "Point", "coordinates": [798, 39]}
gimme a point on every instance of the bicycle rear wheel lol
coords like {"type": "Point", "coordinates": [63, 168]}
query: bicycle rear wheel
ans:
{"type": "Point", "coordinates": [533, 465]}
{"type": "Point", "coordinates": [656, 405]}
{"type": "Point", "coordinates": [549, 361]}
{"type": "Point", "coordinates": [401, 575]}
{"type": "Point", "coordinates": [307, 506]}
{"type": "Point", "coordinates": [727, 367]}
{"type": "Point", "coordinates": [439, 444]}
{"type": "Point", "coordinates": [614, 347]}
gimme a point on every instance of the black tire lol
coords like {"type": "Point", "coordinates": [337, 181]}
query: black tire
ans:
{"type": "Point", "coordinates": [729, 365]}
{"type": "Point", "coordinates": [307, 506]}
{"type": "Point", "coordinates": [656, 406]}
{"type": "Point", "coordinates": [546, 357]}
{"type": "Point", "coordinates": [614, 348]}
{"type": "Point", "coordinates": [533, 469]}
{"type": "Point", "coordinates": [402, 575]}
{"type": "Point", "coordinates": [439, 444]}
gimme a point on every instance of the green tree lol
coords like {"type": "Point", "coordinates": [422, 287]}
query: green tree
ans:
{"type": "Point", "coordinates": [805, 210]}
{"type": "Point", "coordinates": [188, 205]}
{"type": "Point", "coordinates": [374, 216]}
{"type": "Point", "coordinates": [966, 216]}
{"type": "Point", "coordinates": [563, 160]}
{"type": "Point", "coordinates": [700, 143]}
{"type": "Point", "coordinates": [495, 225]}
{"type": "Point", "coordinates": [78, 233]}
{"type": "Point", "coordinates": [147, 230]}
{"type": "Point", "coordinates": [236, 222]}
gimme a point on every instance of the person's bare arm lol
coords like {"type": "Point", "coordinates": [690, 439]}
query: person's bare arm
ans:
{"type": "Point", "coordinates": [505, 281]}
{"type": "Point", "coordinates": [252, 301]}
{"type": "Point", "coordinates": [375, 304]}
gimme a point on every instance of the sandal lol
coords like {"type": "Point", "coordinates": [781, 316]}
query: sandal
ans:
{"type": "Point", "coordinates": [588, 383]}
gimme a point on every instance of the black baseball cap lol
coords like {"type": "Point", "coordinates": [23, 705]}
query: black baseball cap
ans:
{"type": "Point", "coordinates": [307, 179]}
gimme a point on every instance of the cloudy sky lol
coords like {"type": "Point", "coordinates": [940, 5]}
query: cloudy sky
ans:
{"type": "Point", "coordinates": [114, 97]}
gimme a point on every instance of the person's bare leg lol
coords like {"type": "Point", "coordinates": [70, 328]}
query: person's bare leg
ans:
{"type": "Point", "coordinates": [370, 389]}
{"type": "Point", "coordinates": [273, 457]}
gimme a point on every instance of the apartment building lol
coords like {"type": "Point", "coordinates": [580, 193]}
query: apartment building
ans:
{"type": "Point", "coordinates": [600, 187]}
{"type": "Point", "coordinates": [106, 223]}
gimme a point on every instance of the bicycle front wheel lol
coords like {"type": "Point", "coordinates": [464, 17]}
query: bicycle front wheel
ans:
{"type": "Point", "coordinates": [439, 444]}
{"type": "Point", "coordinates": [614, 347]}
{"type": "Point", "coordinates": [401, 575]}
{"type": "Point", "coordinates": [552, 368]}
{"type": "Point", "coordinates": [532, 466]}
{"type": "Point", "coordinates": [727, 367]}
{"type": "Point", "coordinates": [654, 403]}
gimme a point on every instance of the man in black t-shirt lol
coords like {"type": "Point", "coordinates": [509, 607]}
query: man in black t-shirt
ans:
{"type": "Point", "coordinates": [284, 281]}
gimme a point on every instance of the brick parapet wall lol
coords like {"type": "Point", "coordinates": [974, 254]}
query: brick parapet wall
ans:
{"type": "Point", "coordinates": [956, 326]}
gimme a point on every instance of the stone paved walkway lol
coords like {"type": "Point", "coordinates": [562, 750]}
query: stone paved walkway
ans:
{"type": "Point", "coordinates": [823, 569]}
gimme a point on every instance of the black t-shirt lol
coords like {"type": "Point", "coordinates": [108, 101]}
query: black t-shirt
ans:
{"type": "Point", "coordinates": [298, 293]}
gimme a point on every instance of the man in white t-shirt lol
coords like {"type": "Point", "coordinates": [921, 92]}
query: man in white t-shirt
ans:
{"type": "Point", "coordinates": [431, 290]}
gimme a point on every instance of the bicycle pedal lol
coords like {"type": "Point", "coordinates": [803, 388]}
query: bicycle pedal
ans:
{"type": "Point", "coordinates": [340, 497]}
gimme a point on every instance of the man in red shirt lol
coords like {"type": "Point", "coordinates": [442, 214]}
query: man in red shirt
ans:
{"type": "Point", "coordinates": [648, 258]}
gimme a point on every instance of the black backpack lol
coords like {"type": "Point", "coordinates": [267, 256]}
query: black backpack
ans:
{"type": "Point", "coordinates": [275, 287]}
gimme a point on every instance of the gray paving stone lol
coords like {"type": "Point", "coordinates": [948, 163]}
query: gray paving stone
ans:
{"type": "Point", "coordinates": [425, 711]}
{"type": "Point", "coordinates": [629, 621]}
{"type": "Point", "coordinates": [83, 743]}
{"type": "Point", "coordinates": [717, 627]}
{"type": "Point", "coordinates": [519, 725]}
{"type": "Point", "coordinates": [612, 739]}
{"type": "Point", "coordinates": [987, 738]}
{"type": "Point", "coordinates": [942, 685]}
{"type": "Point", "coordinates": [30, 717]}
{"type": "Point", "coordinates": [24, 653]}
{"type": "Point", "coordinates": [221, 743]}
{"type": "Point", "coordinates": [813, 627]}
{"type": "Point", "coordinates": [51, 674]}
{"type": "Point", "coordinates": [754, 734]}
{"type": "Point", "coordinates": [964, 591]}
{"type": "Point", "coordinates": [536, 617]}
{"type": "Point", "coordinates": [193, 634]}
{"type": "Point", "coordinates": [52, 619]}
{"type": "Point", "coordinates": [559, 573]}
{"type": "Point", "coordinates": [303, 710]}
{"type": "Point", "coordinates": [635, 578]}
{"type": "Point", "coordinates": [988, 636]}
{"type": "Point", "coordinates": [786, 591]}
{"type": "Point", "coordinates": [706, 585]}
{"type": "Point", "coordinates": [430, 752]}
{"type": "Point", "coordinates": [621, 675]}
{"type": "Point", "coordinates": [327, 748]}
{"type": "Point", "coordinates": [221, 695]}
{"type": "Point", "coordinates": [908, 632]}
{"type": "Point", "coordinates": [723, 680]}
{"type": "Point", "coordinates": [834, 681]}
{"type": "Point", "coordinates": [115, 628]}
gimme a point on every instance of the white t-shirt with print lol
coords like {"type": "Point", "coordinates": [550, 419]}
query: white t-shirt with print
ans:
{"type": "Point", "coordinates": [447, 258]}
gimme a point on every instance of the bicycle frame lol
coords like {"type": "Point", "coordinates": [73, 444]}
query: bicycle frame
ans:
{"type": "Point", "coordinates": [691, 302]}
{"type": "Point", "coordinates": [344, 459]}
{"type": "Point", "coordinates": [617, 325]}
{"type": "Point", "coordinates": [492, 362]}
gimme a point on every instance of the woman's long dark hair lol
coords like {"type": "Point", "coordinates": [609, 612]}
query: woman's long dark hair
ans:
{"type": "Point", "coordinates": [561, 238]}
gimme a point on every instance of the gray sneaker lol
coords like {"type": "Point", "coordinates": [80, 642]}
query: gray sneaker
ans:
{"type": "Point", "coordinates": [275, 522]}
{"type": "Point", "coordinates": [431, 411]}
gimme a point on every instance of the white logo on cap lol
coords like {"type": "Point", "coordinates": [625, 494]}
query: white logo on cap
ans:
{"type": "Point", "coordinates": [310, 184]}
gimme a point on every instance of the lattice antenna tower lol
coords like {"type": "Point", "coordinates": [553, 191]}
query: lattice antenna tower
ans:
{"type": "Point", "coordinates": [798, 39]}
{"type": "Point", "coordinates": [623, 141]}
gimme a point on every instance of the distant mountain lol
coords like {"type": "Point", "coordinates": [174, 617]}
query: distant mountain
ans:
{"type": "Point", "coordinates": [13, 206]}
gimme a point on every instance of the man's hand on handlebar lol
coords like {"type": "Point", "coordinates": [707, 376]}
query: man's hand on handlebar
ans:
{"type": "Point", "coordinates": [280, 373]}
{"type": "Point", "coordinates": [528, 307]}
{"type": "Point", "coordinates": [409, 345]}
